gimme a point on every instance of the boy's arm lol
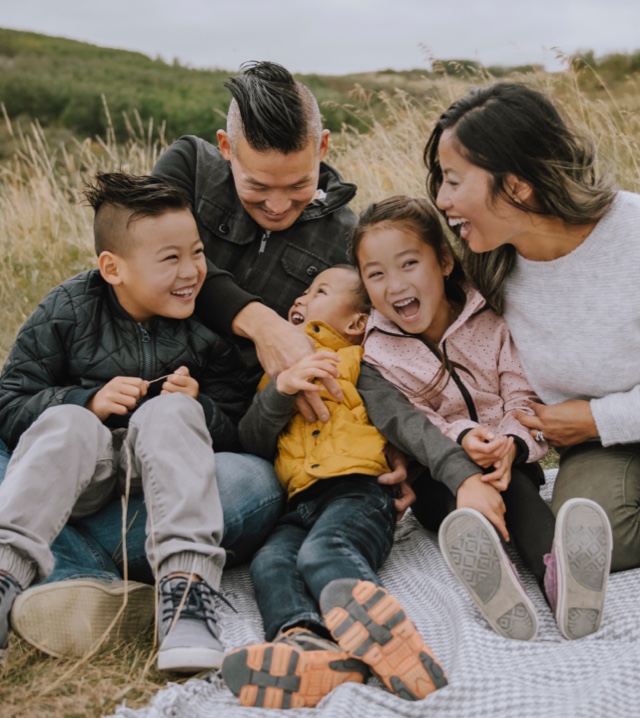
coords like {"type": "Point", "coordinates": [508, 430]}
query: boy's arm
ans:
{"type": "Point", "coordinates": [267, 416]}
{"type": "Point", "coordinates": [35, 375]}
{"type": "Point", "coordinates": [409, 430]}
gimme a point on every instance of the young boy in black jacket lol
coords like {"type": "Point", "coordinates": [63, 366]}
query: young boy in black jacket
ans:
{"type": "Point", "coordinates": [113, 387]}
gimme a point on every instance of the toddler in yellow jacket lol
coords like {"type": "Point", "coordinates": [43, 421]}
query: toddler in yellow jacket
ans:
{"type": "Point", "coordinates": [327, 618]}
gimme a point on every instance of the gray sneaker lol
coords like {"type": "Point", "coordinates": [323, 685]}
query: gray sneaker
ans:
{"type": "Point", "coordinates": [187, 626]}
{"type": "Point", "coordinates": [473, 552]}
{"type": "Point", "coordinates": [80, 615]}
{"type": "Point", "coordinates": [578, 567]}
{"type": "Point", "coordinates": [9, 589]}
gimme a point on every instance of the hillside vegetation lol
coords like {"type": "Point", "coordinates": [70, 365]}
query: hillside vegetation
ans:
{"type": "Point", "coordinates": [63, 84]}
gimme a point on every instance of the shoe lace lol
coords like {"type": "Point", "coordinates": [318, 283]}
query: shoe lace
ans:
{"type": "Point", "coordinates": [191, 598]}
{"type": "Point", "coordinates": [7, 582]}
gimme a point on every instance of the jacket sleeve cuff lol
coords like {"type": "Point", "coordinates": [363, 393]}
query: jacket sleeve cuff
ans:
{"type": "Point", "coordinates": [79, 396]}
{"type": "Point", "coordinates": [522, 450]}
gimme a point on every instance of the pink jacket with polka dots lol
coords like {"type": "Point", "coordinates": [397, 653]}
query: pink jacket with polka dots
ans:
{"type": "Point", "coordinates": [486, 391]}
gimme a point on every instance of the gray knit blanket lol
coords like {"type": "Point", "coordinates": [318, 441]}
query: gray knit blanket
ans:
{"type": "Point", "coordinates": [489, 676]}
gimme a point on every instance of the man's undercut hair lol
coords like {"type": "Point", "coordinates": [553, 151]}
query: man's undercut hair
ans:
{"type": "Point", "coordinates": [118, 199]}
{"type": "Point", "coordinates": [272, 110]}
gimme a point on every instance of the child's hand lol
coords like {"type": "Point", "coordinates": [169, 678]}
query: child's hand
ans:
{"type": "Point", "coordinates": [474, 493]}
{"type": "Point", "coordinates": [119, 396]}
{"type": "Point", "coordinates": [500, 477]}
{"type": "Point", "coordinates": [484, 447]}
{"type": "Point", "coordinates": [397, 477]}
{"type": "Point", "coordinates": [299, 377]}
{"type": "Point", "coordinates": [181, 381]}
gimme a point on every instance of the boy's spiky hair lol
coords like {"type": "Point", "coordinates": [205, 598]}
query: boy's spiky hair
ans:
{"type": "Point", "coordinates": [271, 109]}
{"type": "Point", "coordinates": [118, 199]}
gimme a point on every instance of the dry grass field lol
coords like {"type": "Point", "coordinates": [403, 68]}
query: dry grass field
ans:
{"type": "Point", "coordinates": [45, 236]}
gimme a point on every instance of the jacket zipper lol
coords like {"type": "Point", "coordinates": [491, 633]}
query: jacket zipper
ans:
{"type": "Point", "coordinates": [263, 246]}
{"type": "Point", "coordinates": [471, 407]}
{"type": "Point", "coordinates": [146, 351]}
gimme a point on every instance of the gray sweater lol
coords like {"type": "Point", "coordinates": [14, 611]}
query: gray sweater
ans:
{"type": "Point", "coordinates": [576, 322]}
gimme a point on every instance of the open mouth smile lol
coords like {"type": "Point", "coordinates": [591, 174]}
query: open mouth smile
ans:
{"type": "Point", "coordinates": [407, 308]}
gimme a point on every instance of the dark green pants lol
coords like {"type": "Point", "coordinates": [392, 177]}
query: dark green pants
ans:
{"type": "Point", "coordinates": [610, 476]}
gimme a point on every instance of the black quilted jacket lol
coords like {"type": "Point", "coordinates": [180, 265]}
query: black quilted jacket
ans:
{"type": "Point", "coordinates": [79, 338]}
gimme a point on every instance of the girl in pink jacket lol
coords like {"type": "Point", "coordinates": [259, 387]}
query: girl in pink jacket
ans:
{"type": "Point", "coordinates": [432, 335]}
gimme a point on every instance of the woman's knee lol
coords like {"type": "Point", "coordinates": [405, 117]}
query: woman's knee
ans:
{"type": "Point", "coordinates": [610, 476]}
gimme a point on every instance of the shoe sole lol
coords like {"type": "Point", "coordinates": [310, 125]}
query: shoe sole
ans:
{"type": "Point", "coordinates": [189, 659]}
{"type": "Point", "coordinates": [74, 617]}
{"type": "Point", "coordinates": [583, 554]}
{"type": "Point", "coordinates": [275, 675]}
{"type": "Point", "coordinates": [473, 552]}
{"type": "Point", "coordinates": [369, 623]}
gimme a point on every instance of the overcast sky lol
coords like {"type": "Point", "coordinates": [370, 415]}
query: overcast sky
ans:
{"type": "Point", "coordinates": [339, 36]}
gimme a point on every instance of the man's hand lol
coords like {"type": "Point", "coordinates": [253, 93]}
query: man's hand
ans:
{"type": "Point", "coordinates": [565, 424]}
{"type": "Point", "coordinates": [476, 494]}
{"type": "Point", "coordinates": [280, 345]}
{"type": "Point", "coordinates": [119, 396]}
{"type": "Point", "coordinates": [181, 381]}
{"type": "Point", "coordinates": [301, 376]}
{"type": "Point", "coordinates": [484, 447]}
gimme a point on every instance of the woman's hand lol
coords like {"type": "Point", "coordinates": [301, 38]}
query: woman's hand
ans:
{"type": "Point", "coordinates": [565, 424]}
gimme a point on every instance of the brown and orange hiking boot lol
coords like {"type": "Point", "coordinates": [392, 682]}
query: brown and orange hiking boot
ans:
{"type": "Point", "coordinates": [297, 670]}
{"type": "Point", "coordinates": [370, 624]}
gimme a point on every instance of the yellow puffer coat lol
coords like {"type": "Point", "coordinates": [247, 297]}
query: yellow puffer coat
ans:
{"type": "Point", "coordinates": [347, 443]}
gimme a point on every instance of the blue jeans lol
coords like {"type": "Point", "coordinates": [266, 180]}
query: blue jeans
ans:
{"type": "Point", "coordinates": [337, 528]}
{"type": "Point", "coordinates": [252, 501]}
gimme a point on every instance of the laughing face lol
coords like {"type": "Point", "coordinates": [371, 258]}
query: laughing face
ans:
{"type": "Point", "coordinates": [274, 188]}
{"type": "Point", "coordinates": [405, 280]}
{"type": "Point", "coordinates": [331, 298]}
{"type": "Point", "coordinates": [164, 270]}
{"type": "Point", "coordinates": [480, 219]}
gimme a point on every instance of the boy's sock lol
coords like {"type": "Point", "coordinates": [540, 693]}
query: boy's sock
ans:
{"type": "Point", "coordinates": [295, 671]}
{"type": "Point", "coordinates": [575, 580]}
{"type": "Point", "coordinates": [188, 632]}
{"type": "Point", "coordinates": [9, 590]}
{"type": "Point", "coordinates": [369, 623]}
{"type": "Point", "coordinates": [79, 615]}
{"type": "Point", "coordinates": [475, 555]}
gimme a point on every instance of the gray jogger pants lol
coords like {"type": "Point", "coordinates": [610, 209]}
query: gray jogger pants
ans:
{"type": "Point", "coordinates": [68, 465]}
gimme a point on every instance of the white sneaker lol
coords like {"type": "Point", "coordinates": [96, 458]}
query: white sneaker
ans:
{"type": "Point", "coordinates": [575, 580]}
{"type": "Point", "coordinates": [76, 616]}
{"type": "Point", "coordinates": [473, 552]}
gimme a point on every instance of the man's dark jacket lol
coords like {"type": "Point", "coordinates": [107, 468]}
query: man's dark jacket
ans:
{"type": "Point", "coordinates": [79, 338]}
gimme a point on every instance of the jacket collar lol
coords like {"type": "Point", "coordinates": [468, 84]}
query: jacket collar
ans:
{"type": "Point", "coordinates": [325, 335]}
